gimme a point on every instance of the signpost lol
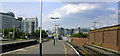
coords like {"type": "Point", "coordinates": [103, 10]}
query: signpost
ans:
{"type": "Point", "coordinates": [55, 27]}
{"type": "Point", "coordinates": [57, 35]}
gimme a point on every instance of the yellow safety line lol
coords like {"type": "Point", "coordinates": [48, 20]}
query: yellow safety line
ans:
{"type": "Point", "coordinates": [65, 49]}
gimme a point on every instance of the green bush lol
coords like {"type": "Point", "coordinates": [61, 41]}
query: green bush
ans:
{"type": "Point", "coordinates": [36, 34]}
{"type": "Point", "coordinates": [81, 35]}
{"type": "Point", "coordinates": [21, 35]}
{"type": "Point", "coordinates": [93, 43]}
{"type": "Point", "coordinates": [101, 44]}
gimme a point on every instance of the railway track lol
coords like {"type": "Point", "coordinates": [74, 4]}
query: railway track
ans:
{"type": "Point", "coordinates": [88, 50]}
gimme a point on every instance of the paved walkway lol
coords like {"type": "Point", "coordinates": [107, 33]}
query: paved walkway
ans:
{"type": "Point", "coordinates": [48, 49]}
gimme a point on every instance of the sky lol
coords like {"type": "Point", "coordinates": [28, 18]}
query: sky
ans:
{"type": "Point", "coordinates": [71, 14]}
{"type": "Point", "coordinates": [60, 0]}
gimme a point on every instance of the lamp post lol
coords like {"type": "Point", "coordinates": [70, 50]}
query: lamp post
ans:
{"type": "Point", "coordinates": [55, 28]}
{"type": "Point", "coordinates": [3, 33]}
{"type": "Point", "coordinates": [40, 44]}
{"type": "Point", "coordinates": [26, 27]}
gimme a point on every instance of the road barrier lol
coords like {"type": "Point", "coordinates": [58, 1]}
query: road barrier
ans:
{"type": "Point", "coordinates": [17, 45]}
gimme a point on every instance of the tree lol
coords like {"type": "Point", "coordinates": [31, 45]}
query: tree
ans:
{"type": "Point", "coordinates": [22, 35]}
{"type": "Point", "coordinates": [16, 32]}
{"type": "Point", "coordinates": [44, 34]}
{"type": "Point", "coordinates": [81, 35]}
{"type": "Point", "coordinates": [7, 32]}
{"type": "Point", "coordinates": [85, 35]}
{"type": "Point", "coordinates": [36, 34]}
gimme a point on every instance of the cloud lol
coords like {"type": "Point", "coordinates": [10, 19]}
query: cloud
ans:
{"type": "Point", "coordinates": [70, 9]}
{"type": "Point", "coordinates": [84, 14]}
{"type": "Point", "coordinates": [74, 8]}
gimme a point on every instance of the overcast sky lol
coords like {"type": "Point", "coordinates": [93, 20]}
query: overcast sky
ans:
{"type": "Point", "coordinates": [72, 14]}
